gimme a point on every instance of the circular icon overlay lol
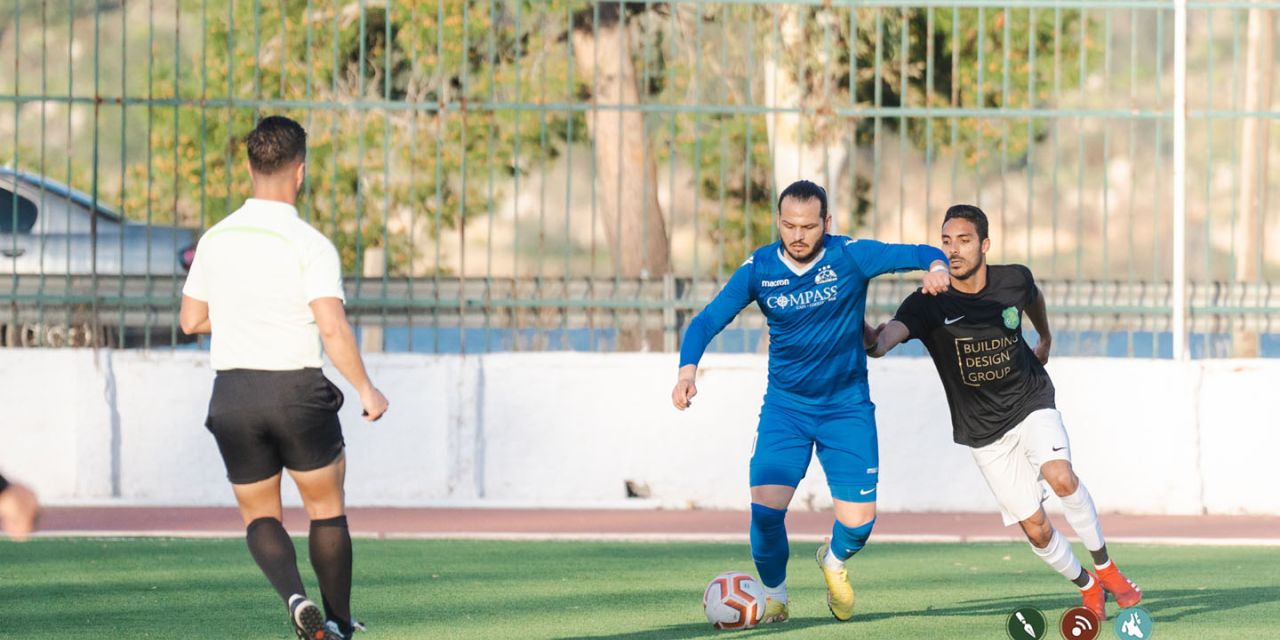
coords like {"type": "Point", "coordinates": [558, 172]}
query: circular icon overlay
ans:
{"type": "Point", "coordinates": [1026, 623]}
{"type": "Point", "coordinates": [1133, 623]}
{"type": "Point", "coordinates": [1079, 624]}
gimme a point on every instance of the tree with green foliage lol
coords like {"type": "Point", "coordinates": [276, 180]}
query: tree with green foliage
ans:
{"type": "Point", "coordinates": [398, 99]}
{"type": "Point", "coordinates": [412, 106]}
{"type": "Point", "coordinates": [823, 60]}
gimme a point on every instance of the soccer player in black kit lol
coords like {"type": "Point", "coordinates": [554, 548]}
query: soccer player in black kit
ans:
{"type": "Point", "coordinates": [1002, 400]}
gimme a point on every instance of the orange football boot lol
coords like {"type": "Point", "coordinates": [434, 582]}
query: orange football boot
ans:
{"type": "Point", "coordinates": [1095, 599]}
{"type": "Point", "coordinates": [1126, 593]}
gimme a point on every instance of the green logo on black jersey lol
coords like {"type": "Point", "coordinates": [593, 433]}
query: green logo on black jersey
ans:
{"type": "Point", "coordinates": [1011, 317]}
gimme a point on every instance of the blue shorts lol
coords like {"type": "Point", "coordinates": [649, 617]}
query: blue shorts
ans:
{"type": "Point", "coordinates": [845, 438]}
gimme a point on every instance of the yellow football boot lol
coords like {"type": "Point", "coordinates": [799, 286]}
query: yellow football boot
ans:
{"type": "Point", "coordinates": [839, 591]}
{"type": "Point", "coordinates": [775, 611]}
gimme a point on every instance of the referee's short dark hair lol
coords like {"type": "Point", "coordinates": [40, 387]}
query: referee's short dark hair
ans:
{"type": "Point", "coordinates": [970, 213]}
{"type": "Point", "coordinates": [803, 190]}
{"type": "Point", "coordinates": [276, 143]}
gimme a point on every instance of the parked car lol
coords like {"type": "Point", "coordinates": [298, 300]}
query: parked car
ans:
{"type": "Point", "coordinates": [48, 228]}
{"type": "Point", "coordinates": [48, 236]}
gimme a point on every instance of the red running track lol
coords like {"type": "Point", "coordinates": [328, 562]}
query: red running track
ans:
{"type": "Point", "coordinates": [637, 524]}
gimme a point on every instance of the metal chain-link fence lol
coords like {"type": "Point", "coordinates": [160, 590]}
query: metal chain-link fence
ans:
{"type": "Point", "coordinates": [519, 175]}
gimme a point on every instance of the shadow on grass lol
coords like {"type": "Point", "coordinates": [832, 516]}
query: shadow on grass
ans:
{"type": "Point", "coordinates": [704, 630]}
{"type": "Point", "coordinates": [1167, 605]}
{"type": "Point", "coordinates": [1164, 606]}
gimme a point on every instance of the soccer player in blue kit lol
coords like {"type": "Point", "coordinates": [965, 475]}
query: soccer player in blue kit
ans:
{"type": "Point", "coordinates": [812, 289]}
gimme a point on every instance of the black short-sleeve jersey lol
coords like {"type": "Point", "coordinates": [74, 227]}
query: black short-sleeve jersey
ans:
{"type": "Point", "coordinates": [992, 378]}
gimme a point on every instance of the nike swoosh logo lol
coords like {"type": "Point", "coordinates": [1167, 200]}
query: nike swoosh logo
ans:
{"type": "Point", "coordinates": [1059, 448]}
{"type": "Point", "coordinates": [952, 320]}
{"type": "Point", "coordinates": [865, 491]}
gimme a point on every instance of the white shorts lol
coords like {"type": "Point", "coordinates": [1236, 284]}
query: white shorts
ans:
{"type": "Point", "coordinates": [1011, 465]}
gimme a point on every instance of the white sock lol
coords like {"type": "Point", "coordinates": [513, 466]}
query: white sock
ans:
{"type": "Point", "coordinates": [1059, 556]}
{"type": "Point", "coordinates": [1089, 583]}
{"type": "Point", "coordinates": [778, 593]}
{"type": "Point", "coordinates": [1083, 517]}
{"type": "Point", "coordinates": [831, 561]}
{"type": "Point", "coordinates": [1103, 565]}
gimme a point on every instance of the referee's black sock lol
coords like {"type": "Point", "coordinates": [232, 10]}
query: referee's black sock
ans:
{"type": "Point", "coordinates": [272, 549]}
{"type": "Point", "coordinates": [331, 559]}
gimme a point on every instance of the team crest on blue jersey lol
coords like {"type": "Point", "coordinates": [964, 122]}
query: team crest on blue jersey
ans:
{"type": "Point", "coordinates": [825, 274]}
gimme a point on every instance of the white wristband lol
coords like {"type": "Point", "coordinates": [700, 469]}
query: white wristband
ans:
{"type": "Point", "coordinates": [941, 267]}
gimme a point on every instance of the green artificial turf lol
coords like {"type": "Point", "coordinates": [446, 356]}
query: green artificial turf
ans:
{"type": "Point", "coordinates": [193, 588]}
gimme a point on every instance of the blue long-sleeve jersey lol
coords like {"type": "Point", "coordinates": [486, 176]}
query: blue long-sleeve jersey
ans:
{"type": "Point", "coordinates": [815, 315]}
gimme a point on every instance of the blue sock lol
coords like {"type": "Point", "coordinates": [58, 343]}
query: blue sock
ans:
{"type": "Point", "coordinates": [769, 547]}
{"type": "Point", "coordinates": [846, 541]}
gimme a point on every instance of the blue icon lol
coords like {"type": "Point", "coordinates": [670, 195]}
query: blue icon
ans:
{"type": "Point", "coordinates": [1133, 623]}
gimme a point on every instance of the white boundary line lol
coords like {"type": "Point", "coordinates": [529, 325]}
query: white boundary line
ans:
{"type": "Point", "coordinates": [736, 538]}
{"type": "Point", "coordinates": [480, 504]}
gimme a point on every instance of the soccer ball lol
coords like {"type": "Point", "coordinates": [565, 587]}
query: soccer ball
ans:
{"type": "Point", "coordinates": [733, 600]}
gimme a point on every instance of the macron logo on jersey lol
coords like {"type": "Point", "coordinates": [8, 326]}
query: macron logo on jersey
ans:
{"type": "Point", "coordinates": [825, 275]}
{"type": "Point", "coordinates": [775, 283]}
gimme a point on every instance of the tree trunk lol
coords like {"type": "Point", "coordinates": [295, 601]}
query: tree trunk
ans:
{"type": "Point", "coordinates": [802, 145]}
{"type": "Point", "coordinates": [1254, 146]}
{"type": "Point", "coordinates": [626, 173]}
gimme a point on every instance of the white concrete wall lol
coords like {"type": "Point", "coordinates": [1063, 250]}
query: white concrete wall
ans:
{"type": "Point", "coordinates": [56, 431]}
{"type": "Point", "coordinates": [571, 429]}
{"type": "Point", "coordinates": [1239, 436]}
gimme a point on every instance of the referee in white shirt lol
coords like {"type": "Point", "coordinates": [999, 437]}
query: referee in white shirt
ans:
{"type": "Point", "coordinates": [268, 287]}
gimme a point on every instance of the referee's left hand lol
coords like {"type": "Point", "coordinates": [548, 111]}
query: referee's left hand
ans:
{"type": "Point", "coordinates": [375, 404]}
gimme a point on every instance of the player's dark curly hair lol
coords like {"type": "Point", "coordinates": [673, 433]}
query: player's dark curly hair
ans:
{"type": "Point", "coordinates": [275, 143]}
{"type": "Point", "coordinates": [803, 190]}
{"type": "Point", "coordinates": [970, 213]}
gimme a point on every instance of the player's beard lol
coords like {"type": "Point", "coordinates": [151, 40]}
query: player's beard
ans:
{"type": "Point", "coordinates": [982, 261]}
{"type": "Point", "coordinates": [813, 253]}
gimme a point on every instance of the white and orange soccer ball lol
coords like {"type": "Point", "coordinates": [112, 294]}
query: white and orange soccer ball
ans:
{"type": "Point", "coordinates": [733, 600]}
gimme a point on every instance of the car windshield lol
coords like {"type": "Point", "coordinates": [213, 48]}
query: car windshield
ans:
{"type": "Point", "coordinates": [57, 189]}
{"type": "Point", "coordinates": [17, 214]}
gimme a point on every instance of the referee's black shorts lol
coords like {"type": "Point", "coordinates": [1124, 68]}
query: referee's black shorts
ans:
{"type": "Point", "coordinates": [264, 421]}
